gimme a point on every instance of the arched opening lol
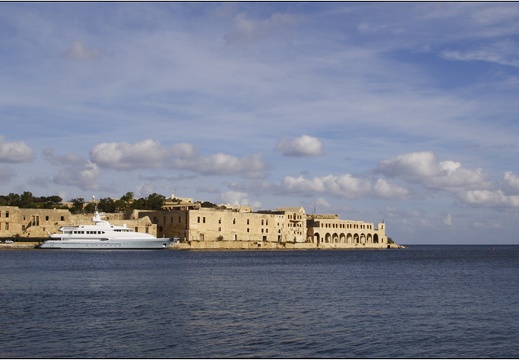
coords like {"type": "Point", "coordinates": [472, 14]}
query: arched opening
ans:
{"type": "Point", "coordinates": [317, 238]}
{"type": "Point", "coordinates": [349, 238]}
{"type": "Point", "coordinates": [328, 238]}
{"type": "Point", "coordinates": [375, 239]}
{"type": "Point", "coordinates": [335, 238]}
{"type": "Point", "coordinates": [342, 239]}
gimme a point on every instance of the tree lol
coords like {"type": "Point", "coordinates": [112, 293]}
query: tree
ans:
{"type": "Point", "coordinates": [26, 200]}
{"type": "Point", "coordinates": [155, 201]}
{"type": "Point", "coordinates": [106, 205]}
{"type": "Point", "coordinates": [77, 205]}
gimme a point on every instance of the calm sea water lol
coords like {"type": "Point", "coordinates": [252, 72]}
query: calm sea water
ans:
{"type": "Point", "coordinates": [424, 301]}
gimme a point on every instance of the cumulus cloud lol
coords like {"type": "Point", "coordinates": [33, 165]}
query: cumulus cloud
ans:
{"type": "Point", "coordinates": [302, 146]}
{"type": "Point", "coordinates": [347, 186]}
{"type": "Point", "coordinates": [126, 156]}
{"type": "Point", "coordinates": [152, 154]}
{"type": "Point", "coordinates": [489, 198]}
{"type": "Point", "coordinates": [82, 175]}
{"type": "Point", "coordinates": [425, 169]}
{"type": "Point", "coordinates": [389, 191]}
{"type": "Point", "coordinates": [75, 170]}
{"type": "Point", "coordinates": [15, 152]}
{"type": "Point", "coordinates": [68, 159]}
{"type": "Point", "coordinates": [511, 183]}
{"type": "Point", "coordinates": [235, 197]}
{"type": "Point", "coordinates": [79, 51]}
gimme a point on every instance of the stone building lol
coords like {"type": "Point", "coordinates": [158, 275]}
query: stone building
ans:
{"type": "Point", "coordinates": [240, 227]}
{"type": "Point", "coordinates": [198, 227]}
{"type": "Point", "coordinates": [38, 223]}
{"type": "Point", "coordinates": [331, 232]}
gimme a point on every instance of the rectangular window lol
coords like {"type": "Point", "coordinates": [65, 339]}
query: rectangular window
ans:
{"type": "Point", "coordinates": [7, 214]}
{"type": "Point", "coordinates": [62, 218]}
{"type": "Point", "coordinates": [203, 220]}
{"type": "Point", "coordinates": [7, 226]}
{"type": "Point", "coordinates": [199, 219]}
{"type": "Point", "coordinates": [47, 218]}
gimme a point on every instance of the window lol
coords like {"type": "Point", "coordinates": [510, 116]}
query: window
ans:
{"type": "Point", "coordinates": [203, 220]}
{"type": "Point", "coordinates": [199, 219]}
{"type": "Point", "coordinates": [7, 214]}
{"type": "Point", "coordinates": [47, 218]}
{"type": "Point", "coordinates": [7, 226]}
{"type": "Point", "coordinates": [62, 218]}
{"type": "Point", "coordinates": [234, 221]}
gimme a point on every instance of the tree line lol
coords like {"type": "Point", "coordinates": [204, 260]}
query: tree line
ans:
{"type": "Point", "coordinates": [126, 203]}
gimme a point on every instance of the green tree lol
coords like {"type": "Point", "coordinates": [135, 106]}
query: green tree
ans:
{"type": "Point", "coordinates": [155, 201]}
{"type": "Point", "coordinates": [90, 207]}
{"type": "Point", "coordinates": [77, 205]}
{"type": "Point", "coordinates": [26, 200]}
{"type": "Point", "coordinates": [106, 205]}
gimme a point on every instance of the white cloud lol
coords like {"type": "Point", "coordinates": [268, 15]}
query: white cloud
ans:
{"type": "Point", "coordinates": [15, 152]}
{"type": "Point", "coordinates": [84, 176]}
{"type": "Point", "coordinates": [425, 169]}
{"type": "Point", "coordinates": [302, 146]}
{"type": "Point", "coordinates": [511, 183]}
{"type": "Point", "coordinates": [238, 198]}
{"type": "Point", "coordinates": [183, 156]}
{"type": "Point", "coordinates": [125, 156]}
{"type": "Point", "coordinates": [343, 185]}
{"type": "Point", "coordinates": [386, 190]}
{"type": "Point", "coordinates": [489, 198]}
{"type": "Point", "coordinates": [347, 186]}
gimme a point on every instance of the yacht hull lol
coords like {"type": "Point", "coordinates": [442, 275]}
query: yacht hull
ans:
{"type": "Point", "coordinates": [114, 244]}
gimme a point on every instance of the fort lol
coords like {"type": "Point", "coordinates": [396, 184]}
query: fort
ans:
{"type": "Point", "coordinates": [220, 227]}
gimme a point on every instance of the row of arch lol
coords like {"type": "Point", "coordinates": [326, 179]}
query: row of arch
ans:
{"type": "Point", "coordinates": [348, 238]}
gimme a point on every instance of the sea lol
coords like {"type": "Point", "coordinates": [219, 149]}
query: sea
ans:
{"type": "Point", "coordinates": [419, 302]}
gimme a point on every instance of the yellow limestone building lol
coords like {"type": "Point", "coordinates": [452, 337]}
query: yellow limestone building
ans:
{"type": "Point", "coordinates": [238, 227]}
{"type": "Point", "coordinates": [21, 223]}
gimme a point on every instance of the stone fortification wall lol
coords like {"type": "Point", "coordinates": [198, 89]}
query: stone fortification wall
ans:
{"type": "Point", "coordinates": [38, 223]}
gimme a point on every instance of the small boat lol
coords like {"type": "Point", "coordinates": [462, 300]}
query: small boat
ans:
{"type": "Point", "coordinates": [103, 236]}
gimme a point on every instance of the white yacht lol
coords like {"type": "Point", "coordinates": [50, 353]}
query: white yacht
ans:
{"type": "Point", "coordinates": [104, 236]}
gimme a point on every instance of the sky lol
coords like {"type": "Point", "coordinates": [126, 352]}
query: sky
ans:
{"type": "Point", "coordinates": [402, 112]}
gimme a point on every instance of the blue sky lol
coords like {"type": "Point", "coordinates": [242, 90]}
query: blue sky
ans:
{"type": "Point", "coordinates": [402, 112]}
